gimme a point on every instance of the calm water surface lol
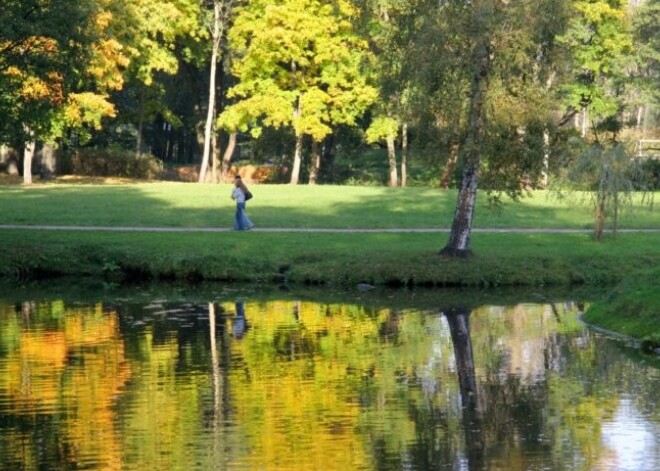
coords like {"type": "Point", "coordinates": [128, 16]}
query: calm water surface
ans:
{"type": "Point", "coordinates": [298, 385]}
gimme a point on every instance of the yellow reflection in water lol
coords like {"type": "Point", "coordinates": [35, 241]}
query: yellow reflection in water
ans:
{"type": "Point", "coordinates": [72, 366]}
{"type": "Point", "coordinates": [297, 385]}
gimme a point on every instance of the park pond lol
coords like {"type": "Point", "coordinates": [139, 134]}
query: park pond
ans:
{"type": "Point", "coordinates": [229, 380]}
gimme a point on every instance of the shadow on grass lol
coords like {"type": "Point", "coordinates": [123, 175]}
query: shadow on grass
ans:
{"type": "Point", "coordinates": [189, 205]}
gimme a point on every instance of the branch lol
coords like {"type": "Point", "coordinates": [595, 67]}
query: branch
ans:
{"type": "Point", "coordinates": [567, 117]}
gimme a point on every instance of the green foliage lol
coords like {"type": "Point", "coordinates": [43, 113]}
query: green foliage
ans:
{"type": "Point", "coordinates": [60, 60]}
{"type": "Point", "coordinates": [651, 168]}
{"type": "Point", "coordinates": [598, 38]}
{"type": "Point", "coordinates": [37, 41]}
{"type": "Point", "coordinates": [381, 128]}
{"type": "Point", "coordinates": [647, 50]}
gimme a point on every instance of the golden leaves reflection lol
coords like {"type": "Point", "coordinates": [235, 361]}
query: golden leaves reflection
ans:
{"type": "Point", "coordinates": [74, 365]}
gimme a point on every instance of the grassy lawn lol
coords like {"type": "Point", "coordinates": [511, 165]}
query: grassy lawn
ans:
{"type": "Point", "coordinates": [192, 205]}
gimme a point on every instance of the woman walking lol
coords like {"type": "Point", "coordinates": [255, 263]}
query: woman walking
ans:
{"type": "Point", "coordinates": [240, 194]}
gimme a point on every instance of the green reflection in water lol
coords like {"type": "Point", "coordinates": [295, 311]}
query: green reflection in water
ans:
{"type": "Point", "coordinates": [303, 385]}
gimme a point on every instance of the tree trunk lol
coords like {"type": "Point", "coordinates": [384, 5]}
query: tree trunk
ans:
{"type": "Point", "coordinates": [600, 217]}
{"type": "Point", "coordinates": [459, 328]}
{"type": "Point", "coordinates": [138, 144]}
{"type": "Point", "coordinates": [404, 155]}
{"type": "Point", "coordinates": [328, 158]}
{"type": "Point", "coordinates": [461, 229]}
{"type": "Point", "coordinates": [640, 114]}
{"type": "Point", "coordinates": [584, 122]}
{"type": "Point", "coordinates": [48, 162]}
{"type": "Point", "coordinates": [215, 152]}
{"type": "Point", "coordinates": [226, 157]}
{"type": "Point", "coordinates": [316, 163]}
{"type": "Point", "coordinates": [210, 113]}
{"type": "Point", "coordinates": [475, 442]}
{"type": "Point", "coordinates": [297, 159]}
{"type": "Point", "coordinates": [448, 172]}
{"type": "Point", "coordinates": [28, 155]}
{"type": "Point", "coordinates": [391, 157]}
{"type": "Point", "coordinates": [546, 158]}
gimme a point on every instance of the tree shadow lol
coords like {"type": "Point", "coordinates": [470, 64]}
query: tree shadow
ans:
{"type": "Point", "coordinates": [304, 207]}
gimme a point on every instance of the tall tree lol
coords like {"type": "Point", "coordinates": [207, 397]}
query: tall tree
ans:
{"type": "Point", "coordinates": [386, 22]}
{"type": "Point", "coordinates": [59, 60]}
{"type": "Point", "coordinates": [386, 128]}
{"type": "Point", "coordinates": [299, 64]}
{"type": "Point", "coordinates": [461, 229]}
{"type": "Point", "coordinates": [221, 13]}
{"type": "Point", "coordinates": [39, 88]}
{"type": "Point", "coordinates": [646, 60]}
{"type": "Point", "coordinates": [597, 39]}
{"type": "Point", "coordinates": [509, 104]}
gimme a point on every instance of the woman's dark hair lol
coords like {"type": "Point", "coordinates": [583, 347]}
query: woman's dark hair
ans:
{"type": "Point", "coordinates": [241, 185]}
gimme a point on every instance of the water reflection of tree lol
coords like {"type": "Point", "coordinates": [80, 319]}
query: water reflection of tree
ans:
{"type": "Point", "coordinates": [499, 412]}
{"type": "Point", "coordinates": [458, 319]}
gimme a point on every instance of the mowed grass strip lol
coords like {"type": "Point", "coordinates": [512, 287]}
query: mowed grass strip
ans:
{"type": "Point", "coordinates": [284, 206]}
{"type": "Point", "coordinates": [327, 259]}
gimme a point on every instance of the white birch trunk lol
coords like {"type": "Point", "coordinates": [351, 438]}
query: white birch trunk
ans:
{"type": "Point", "coordinates": [546, 158]}
{"type": "Point", "coordinates": [28, 155]}
{"type": "Point", "coordinates": [297, 159]}
{"type": "Point", "coordinates": [208, 129]}
{"type": "Point", "coordinates": [297, 156]}
{"type": "Point", "coordinates": [391, 156]}
{"type": "Point", "coordinates": [404, 155]}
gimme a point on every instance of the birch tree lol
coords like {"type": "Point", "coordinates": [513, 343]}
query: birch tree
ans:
{"type": "Point", "coordinates": [221, 14]}
{"type": "Point", "coordinates": [461, 229]}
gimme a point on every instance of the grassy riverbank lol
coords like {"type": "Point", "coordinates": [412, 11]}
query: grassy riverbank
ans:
{"type": "Point", "coordinates": [339, 260]}
{"type": "Point", "coordinates": [632, 308]}
{"type": "Point", "coordinates": [332, 259]}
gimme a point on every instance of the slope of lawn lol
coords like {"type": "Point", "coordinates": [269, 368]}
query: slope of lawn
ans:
{"type": "Point", "coordinates": [632, 308]}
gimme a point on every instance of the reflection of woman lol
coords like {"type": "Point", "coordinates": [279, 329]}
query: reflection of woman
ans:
{"type": "Point", "coordinates": [239, 325]}
{"type": "Point", "coordinates": [241, 221]}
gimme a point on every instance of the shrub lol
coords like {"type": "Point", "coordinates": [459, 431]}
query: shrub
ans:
{"type": "Point", "coordinates": [112, 162]}
{"type": "Point", "coordinates": [652, 169]}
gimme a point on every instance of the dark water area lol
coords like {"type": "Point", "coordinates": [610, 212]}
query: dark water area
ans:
{"type": "Point", "coordinates": [225, 379]}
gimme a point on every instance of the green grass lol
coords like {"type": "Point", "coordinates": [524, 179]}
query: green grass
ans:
{"type": "Point", "coordinates": [632, 308]}
{"type": "Point", "coordinates": [192, 205]}
{"type": "Point", "coordinates": [332, 259]}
